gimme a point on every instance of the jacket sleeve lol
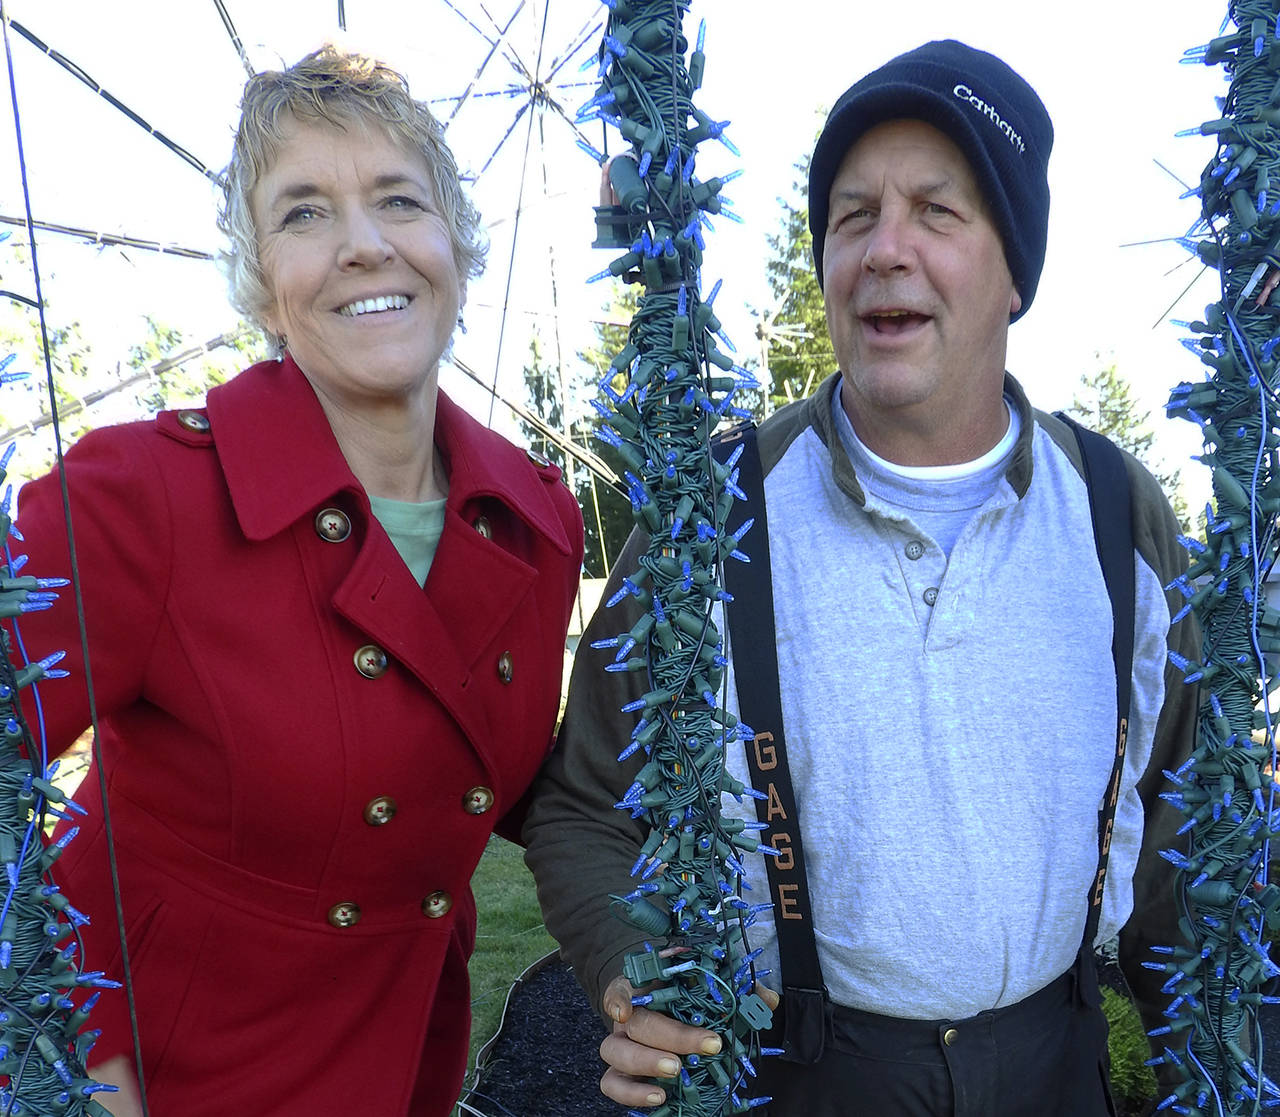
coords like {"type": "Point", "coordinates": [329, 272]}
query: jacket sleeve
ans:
{"type": "Point", "coordinates": [122, 534]}
{"type": "Point", "coordinates": [580, 848]}
{"type": "Point", "coordinates": [1154, 921]}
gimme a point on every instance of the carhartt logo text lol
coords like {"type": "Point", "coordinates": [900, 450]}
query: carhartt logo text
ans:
{"type": "Point", "coordinates": [964, 93]}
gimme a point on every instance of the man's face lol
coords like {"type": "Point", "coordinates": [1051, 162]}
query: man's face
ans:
{"type": "Point", "coordinates": [918, 293]}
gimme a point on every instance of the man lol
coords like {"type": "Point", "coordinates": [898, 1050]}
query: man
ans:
{"type": "Point", "coordinates": [944, 642]}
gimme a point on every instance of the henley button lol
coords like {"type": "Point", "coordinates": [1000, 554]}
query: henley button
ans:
{"type": "Point", "coordinates": [380, 811]}
{"type": "Point", "coordinates": [915, 550]}
{"type": "Point", "coordinates": [930, 595]}
{"type": "Point", "coordinates": [505, 667]}
{"type": "Point", "coordinates": [370, 661]}
{"type": "Point", "coordinates": [345, 914]}
{"type": "Point", "coordinates": [477, 800]}
{"type": "Point", "coordinates": [437, 904]}
{"type": "Point", "coordinates": [332, 525]}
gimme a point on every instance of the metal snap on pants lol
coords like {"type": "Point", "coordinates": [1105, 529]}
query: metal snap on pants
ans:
{"type": "Point", "coordinates": [1045, 1056]}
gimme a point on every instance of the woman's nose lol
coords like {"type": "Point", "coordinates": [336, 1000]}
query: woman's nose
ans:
{"type": "Point", "coordinates": [363, 242]}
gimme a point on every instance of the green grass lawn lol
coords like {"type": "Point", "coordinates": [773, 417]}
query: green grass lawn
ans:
{"type": "Point", "coordinates": [509, 938]}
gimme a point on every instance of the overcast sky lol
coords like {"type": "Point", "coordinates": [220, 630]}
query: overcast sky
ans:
{"type": "Point", "coordinates": [1109, 74]}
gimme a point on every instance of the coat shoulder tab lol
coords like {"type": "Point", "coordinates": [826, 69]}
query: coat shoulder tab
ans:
{"type": "Point", "coordinates": [544, 467]}
{"type": "Point", "coordinates": [188, 425]}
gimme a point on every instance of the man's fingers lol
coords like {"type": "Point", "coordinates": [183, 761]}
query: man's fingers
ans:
{"type": "Point", "coordinates": [635, 1059]}
{"type": "Point", "coordinates": [647, 1045]}
{"type": "Point", "coordinates": [661, 1033]}
{"type": "Point", "coordinates": [617, 999]}
{"type": "Point", "coordinates": [1273, 278]}
{"type": "Point", "coordinates": [607, 196]}
{"type": "Point", "coordinates": [629, 1091]}
{"type": "Point", "coordinates": [630, 1063]}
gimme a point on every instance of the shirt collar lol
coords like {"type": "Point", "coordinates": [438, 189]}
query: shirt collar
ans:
{"type": "Point", "coordinates": [281, 460]}
{"type": "Point", "coordinates": [821, 403]}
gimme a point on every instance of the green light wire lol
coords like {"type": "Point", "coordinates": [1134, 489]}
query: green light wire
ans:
{"type": "Point", "coordinates": [661, 401]}
{"type": "Point", "coordinates": [1230, 910]}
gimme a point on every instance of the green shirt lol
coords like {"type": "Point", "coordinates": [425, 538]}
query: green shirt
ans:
{"type": "Point", "coordinates": [413, 528]}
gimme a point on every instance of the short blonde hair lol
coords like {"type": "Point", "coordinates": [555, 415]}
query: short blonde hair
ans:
{"type": "Point", "coordinates": [343, 89]}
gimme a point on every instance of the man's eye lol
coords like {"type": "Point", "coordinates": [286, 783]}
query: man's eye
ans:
{"type": "Point", "coordinates": [855, 217]}
{"type": "Point", "coordinates": [938, 208]}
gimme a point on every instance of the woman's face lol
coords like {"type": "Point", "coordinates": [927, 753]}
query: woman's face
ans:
{"type": "Point", "coordinates": [358, 262]}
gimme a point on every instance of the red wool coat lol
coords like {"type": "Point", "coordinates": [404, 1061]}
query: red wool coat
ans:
{"type": "Point", "coordinates": [305, 751]}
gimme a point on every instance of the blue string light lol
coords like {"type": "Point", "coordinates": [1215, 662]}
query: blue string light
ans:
{"type": "Point", "coordinates": [1226, 789]}
{"type": "Point", "coordinates": [665, 392]}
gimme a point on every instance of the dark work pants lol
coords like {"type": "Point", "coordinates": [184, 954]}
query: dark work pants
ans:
{"type": "Point", "coordinates": [1046, 1056]}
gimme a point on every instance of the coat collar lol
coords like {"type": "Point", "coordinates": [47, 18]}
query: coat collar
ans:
{"type": "Point", "coordinates": [281, 460]}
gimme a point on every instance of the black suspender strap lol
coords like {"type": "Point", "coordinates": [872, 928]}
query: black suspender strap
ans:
{"type": "Point", "coordinates": [1107, 480]}
{"type": "Point", "coordinates": [753, 647]}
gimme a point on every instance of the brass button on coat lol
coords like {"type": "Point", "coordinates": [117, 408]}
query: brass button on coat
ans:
{"type": "Point", "coordinates": [477, 800]}
{"type": "Point", "coordinates": [482, 527]}
{"type": "Point", "coordinates": [950, 1036]}
{"type": "Point", "coordinates": [379, 811]}
{"type": "Point", "coordinates": [345, 914]}
{"type": "Point", "coordinates": [915, 550]}
{"type": "Point", "coordinates": [506, 666]}
{"type": "Point", "coordinates": [930, 595]}
{"type": "Point", "coordinates": [437, 904]}
{"type": "Point", "coordinates": [332, 525]}
{"type": "Point", "coordinates": [194, 421]}
{"type": "Point", "coordinates": [371, 661]}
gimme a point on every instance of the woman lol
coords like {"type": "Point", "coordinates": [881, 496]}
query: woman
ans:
{"type": "Point", "coordinates": [326, 618]}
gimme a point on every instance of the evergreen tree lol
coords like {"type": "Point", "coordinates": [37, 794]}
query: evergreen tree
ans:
{"type": "Point", "coordinates": [1104, 402]}
{"type": "Point", "coordinates": [561, 398]}
{"type": "Point", "coordinates": [544, 401]}
{"type": "Point", "coordinates": [795, 349]}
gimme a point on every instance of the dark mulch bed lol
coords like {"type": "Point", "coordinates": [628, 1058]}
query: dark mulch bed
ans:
{"type": "Point", "coordinates": [1270, 1017]}
{"type": "Point", "coordinates": [545, 1059]}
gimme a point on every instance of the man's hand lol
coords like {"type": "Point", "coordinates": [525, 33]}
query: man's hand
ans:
{"type": "Point", "coordinates": [647, 1044]}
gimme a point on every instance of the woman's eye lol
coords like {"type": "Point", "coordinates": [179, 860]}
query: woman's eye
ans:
{"type": "Point", "coordinates": [299, 215]}
{"type": "Point", "coordinates": [403, 202]}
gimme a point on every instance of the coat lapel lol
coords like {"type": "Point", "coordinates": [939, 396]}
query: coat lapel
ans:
{"type": "Point", "coordinates": [282, 462]}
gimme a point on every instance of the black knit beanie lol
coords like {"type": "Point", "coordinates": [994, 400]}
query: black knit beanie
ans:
{"type": "Point", "coordinates": [986, 109]}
